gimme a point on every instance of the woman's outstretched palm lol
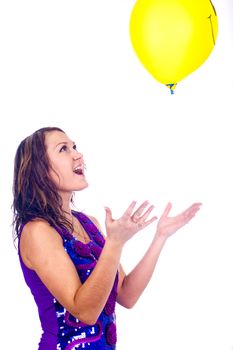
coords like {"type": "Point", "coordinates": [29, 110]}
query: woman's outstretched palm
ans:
{"type": "Point", "coordinates": [168, 225]}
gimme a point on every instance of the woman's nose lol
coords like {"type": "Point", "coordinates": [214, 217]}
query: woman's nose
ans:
{"type": "Point", "coordinates": [77, 155]}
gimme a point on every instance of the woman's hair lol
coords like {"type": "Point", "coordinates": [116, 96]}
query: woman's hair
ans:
{"type": "Point", "coordinates": [34, 193]}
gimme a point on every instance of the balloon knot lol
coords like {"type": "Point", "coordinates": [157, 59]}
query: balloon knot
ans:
{"type": "Point", "coordinates": [171, 87]}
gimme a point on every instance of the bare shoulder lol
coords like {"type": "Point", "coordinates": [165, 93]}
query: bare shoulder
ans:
{"type": "Point", "coordinates": [35, 226]}
{"type": "Point", "coordinates": [38, 230]}
{"type": "Point", "coordinates": [37, 236]}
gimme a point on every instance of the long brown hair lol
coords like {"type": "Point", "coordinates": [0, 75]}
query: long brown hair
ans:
{"type": "Point", "coordinates": [34, 193]}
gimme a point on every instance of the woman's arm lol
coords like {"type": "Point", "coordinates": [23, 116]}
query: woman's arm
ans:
{"type": "Point", "coordinates": [45, 254]}
{"type": "Point", "coordinates": [132, 285]}
{"type": "Point", "coordinates": [42, 250]}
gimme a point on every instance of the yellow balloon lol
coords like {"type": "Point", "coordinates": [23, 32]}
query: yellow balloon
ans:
{"type": "Point", "coordinates": [172, 38]}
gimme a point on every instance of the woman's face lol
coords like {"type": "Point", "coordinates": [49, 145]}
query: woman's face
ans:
{"type": "Point", "coordinates": [67, 165]}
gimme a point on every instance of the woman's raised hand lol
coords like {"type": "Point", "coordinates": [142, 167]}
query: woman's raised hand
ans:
{"type": "Point", "coordinates": [132, 221]}
{"type": "Point", "coordinates": [168, 225]}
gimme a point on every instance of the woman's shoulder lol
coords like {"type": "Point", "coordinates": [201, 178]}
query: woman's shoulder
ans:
{"type": "Point", "coordinates": [37, 237]}
{"type": "Point", "coordinates": [36, 224]}
{"type": "Point", "coordinates": [38, 229]}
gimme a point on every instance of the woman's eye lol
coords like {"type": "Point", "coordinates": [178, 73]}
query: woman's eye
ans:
{"type": "Point", "coordinates": [75, 147]}
{"type": "Point", "coordinates": [63, 148]}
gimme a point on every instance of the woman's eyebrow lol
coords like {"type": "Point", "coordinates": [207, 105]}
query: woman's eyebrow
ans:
{"type": "Point", "coordinates": [65, 143]}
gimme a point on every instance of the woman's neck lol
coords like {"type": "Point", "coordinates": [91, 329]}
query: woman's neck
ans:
{"type": "Point", "coordinates": [66, 200]}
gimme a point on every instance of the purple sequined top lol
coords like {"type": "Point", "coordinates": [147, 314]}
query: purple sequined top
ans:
{"type": "Point", "coordinates": [61, 330]}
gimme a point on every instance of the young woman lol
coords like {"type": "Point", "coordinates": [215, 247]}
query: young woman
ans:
{"type": "Point", "coordinates": [72, 269]}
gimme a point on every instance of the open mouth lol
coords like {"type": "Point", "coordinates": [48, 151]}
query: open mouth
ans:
{"type": "Point", "coordinates": [78, 170]}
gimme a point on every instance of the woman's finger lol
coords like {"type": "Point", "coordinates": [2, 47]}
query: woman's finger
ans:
{"type": "Point", "coordinates": [147, 213]}
{"type": "Point", "coordinates": [167, 209]}
{"type": "Point", "coordinates": [139, 211]}
{"type": "Point", "coordinates": [130, 209]}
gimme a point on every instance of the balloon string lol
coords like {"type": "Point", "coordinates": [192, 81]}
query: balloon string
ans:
{"type": "Point", "coordinates": [171, 87]}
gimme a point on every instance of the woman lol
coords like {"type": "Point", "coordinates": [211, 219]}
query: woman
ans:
{"type": "Point", "coordinates": [73, 271]}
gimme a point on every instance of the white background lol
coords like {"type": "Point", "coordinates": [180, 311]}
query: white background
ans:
{"type": "Point", "coordinates": [70, 64]}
